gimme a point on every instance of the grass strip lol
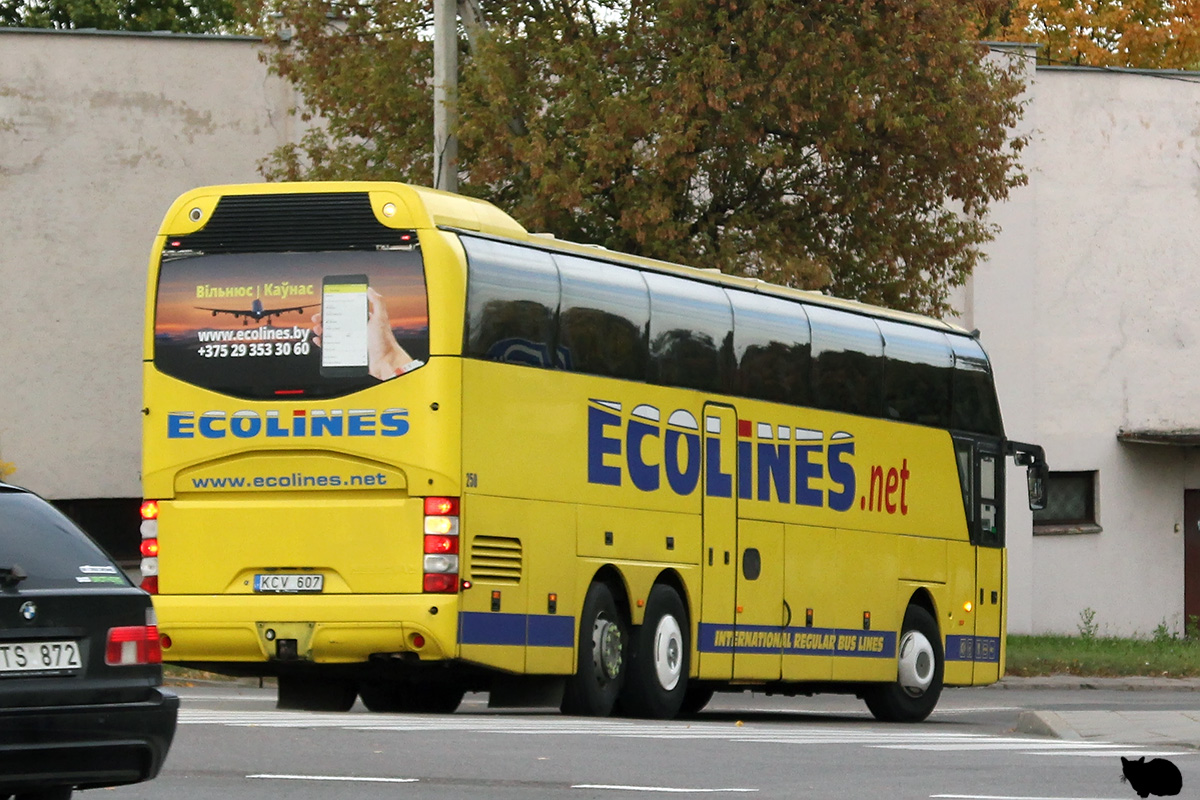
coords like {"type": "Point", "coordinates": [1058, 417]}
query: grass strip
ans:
{"type": "Point", "coordinates": [1162, 656]}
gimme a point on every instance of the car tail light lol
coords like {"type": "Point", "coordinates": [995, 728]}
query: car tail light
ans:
{"type": "Point", "coordinates": [441, 545]}
{"type": "Point", "coordinates": [134, 644]}
{"type": "Point", "coordinates": [149, 512]}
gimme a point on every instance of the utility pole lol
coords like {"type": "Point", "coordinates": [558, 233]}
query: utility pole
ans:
{"type": "Point", "coordinates": [445, 95]}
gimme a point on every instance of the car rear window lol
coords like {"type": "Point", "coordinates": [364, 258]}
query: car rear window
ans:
{"type": "Point", "coordinates": [49, 548]}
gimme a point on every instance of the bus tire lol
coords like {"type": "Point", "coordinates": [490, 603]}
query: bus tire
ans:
{"type": "Point", "coordinates": [658, 661]}
{"type": "Point", "coordinates": [912, 697]}
{"type": "Point", "coordinates": [308, 693]}
{"type": "Point", "coordinates": [600, 673]}
{"type": "Point", "coordinates": [399, 698]}
{"type": "Point", "coordinates": [695, 699]}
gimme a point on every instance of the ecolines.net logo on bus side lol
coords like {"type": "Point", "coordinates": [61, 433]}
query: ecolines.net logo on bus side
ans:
{"type": "Point", "coordinates": [775, 463]}
{"type": "Point", "coordinates": [302, 423]}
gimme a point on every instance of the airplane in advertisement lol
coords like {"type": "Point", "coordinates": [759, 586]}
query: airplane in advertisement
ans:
{"type": "Point", "coordinates": [257, 312]}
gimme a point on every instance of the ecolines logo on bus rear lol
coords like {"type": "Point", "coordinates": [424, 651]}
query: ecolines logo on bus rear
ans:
{"type": "Point", "coordinates": [302, 423]}
{"type": "Point", "coordinates": [777, 463]}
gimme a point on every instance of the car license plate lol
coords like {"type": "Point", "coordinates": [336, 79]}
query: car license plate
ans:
{"type": "Point", "coordinates": [38, 657]}
{"type": "Point", "coordinates": [284, 582]}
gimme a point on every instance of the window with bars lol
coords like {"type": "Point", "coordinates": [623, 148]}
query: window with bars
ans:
{"type": "Point", "coordinates": [1071, 505]}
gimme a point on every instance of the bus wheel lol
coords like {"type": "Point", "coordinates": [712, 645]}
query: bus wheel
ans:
{"type": "Point", "coordinates": [394, 697]}
{"type": "Point", "coordinates": [593, 689]}
{"type": "Point", "coordinates": [695, 699]}
{"type": "Point", "coordinates": [658, 661]}
{"type": "Point", "coordinates": [307, 693]}
{"type": "Point", "coordinates": [919, 681]}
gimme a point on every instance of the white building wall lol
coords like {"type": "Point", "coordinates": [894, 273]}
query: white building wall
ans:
{"type": "Point", "coordinates": [98, 135]}
{"type": "Point", "coordinates": [1087, 309]}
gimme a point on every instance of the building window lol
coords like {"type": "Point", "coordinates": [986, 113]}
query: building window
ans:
{"type": "Point", "coordinates": [1070, 504]}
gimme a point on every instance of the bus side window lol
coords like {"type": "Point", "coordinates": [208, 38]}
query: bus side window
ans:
{"type": "Point", "coordinates": [847, 368]}
{"type": "Point", "coordinates": [917, 368]}
{"type": "Point", "coordinates": [772, 348]}
{"type": "Point", "coordinates": [512, 303]}
{"type": "Point", "coordinates": [691, 334]}
{"type": "Point", "coordinates": [603, 321]}
{"type": "Point", "coordinates": [974, 406]}
{"type": "Point", "coordinates": [964, 453]}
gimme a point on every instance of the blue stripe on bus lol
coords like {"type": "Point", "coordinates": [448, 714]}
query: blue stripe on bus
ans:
{"type": "Point", "coordinates": [973, 648]}
{"type": "Point", "coordinates": [535, 630]}
{"type": "Point", "coordinates": [852, 643]}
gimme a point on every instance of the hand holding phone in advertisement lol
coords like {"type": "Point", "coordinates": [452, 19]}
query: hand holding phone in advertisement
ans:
{"type": "Point", "coordinates": [385, 357]}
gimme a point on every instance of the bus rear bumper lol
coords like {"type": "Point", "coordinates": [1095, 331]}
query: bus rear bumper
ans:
{"type": "Point", "coordinates": [327, 629]}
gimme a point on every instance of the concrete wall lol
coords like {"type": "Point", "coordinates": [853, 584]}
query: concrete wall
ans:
{"type": "Point", "coordinates": [98, 135]}
{"type": "Point", "coordinates": [1087, 308]}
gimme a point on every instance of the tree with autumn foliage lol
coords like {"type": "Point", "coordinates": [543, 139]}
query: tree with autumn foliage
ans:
{"type": "Point", "coordinates": [1146, 34]}
{"type": "Point", "coordinates": [854, 147]}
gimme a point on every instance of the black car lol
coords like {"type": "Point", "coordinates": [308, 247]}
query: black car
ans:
{"type": "Point", "coordinates": [80, 662]}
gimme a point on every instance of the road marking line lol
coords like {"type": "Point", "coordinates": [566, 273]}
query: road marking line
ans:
{"type": "Point", "coordinates": [1012, 797]}
{"type": "Point", "coordinates": [671, 789]}
{"type": "Point", "coordinates": [346, 778]}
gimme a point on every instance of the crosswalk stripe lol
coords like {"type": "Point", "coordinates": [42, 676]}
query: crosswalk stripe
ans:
{"type": "Point", "coordinates": [789, 734]}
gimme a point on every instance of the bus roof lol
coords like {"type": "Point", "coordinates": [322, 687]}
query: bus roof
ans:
{"type": "Point", "coordinates": [431, 208]}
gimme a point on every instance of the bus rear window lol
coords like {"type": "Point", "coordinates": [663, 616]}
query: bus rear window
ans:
{"type": "Point", "coordinates": [288, 325]}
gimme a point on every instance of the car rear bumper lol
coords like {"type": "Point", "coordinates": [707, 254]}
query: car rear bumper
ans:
{"type": "Point", "coordinates": [85, 746]}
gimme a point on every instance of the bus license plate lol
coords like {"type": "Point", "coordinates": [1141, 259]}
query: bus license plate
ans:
{"type": "Point", "coordinates": [282, 582]}
{"type": "Point", "coordinates": [38, 657]}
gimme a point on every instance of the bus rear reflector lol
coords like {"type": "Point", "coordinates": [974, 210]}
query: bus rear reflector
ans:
{"type": "Point", "coordinates": [136, 644]}
{"type": "Point", "coordinates": [441, 583]}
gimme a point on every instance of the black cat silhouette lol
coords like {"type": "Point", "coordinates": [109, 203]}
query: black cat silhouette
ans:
{"type": "Point", "coordinates": [1157, 776]}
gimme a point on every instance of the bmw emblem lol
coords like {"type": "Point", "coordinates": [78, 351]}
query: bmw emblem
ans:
{"type": "Point", "coordinates": [29, 611]}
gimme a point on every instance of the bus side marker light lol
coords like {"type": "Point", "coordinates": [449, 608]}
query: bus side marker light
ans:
{"type": "Point", "coordinates": [866, 620]}
{"type": "Point", "coordinates": [496, 600]}
{"type": "Point", "coordinates": [552, 603]}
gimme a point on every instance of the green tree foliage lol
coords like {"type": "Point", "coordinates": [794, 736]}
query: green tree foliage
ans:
{"type": "Point", "coordinates": [179, 16]}
{"type": "Point", "coordinates": [848, 145]}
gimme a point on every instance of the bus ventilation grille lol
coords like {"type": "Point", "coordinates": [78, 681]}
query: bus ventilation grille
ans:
{"type": "Point", "coordinates": [291, 222]}
{"type": "Point", "coordinates": [496, 559]}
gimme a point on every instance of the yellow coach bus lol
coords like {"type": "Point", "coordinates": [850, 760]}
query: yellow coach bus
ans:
{"type": "Point", "coordinates": [397, 448]}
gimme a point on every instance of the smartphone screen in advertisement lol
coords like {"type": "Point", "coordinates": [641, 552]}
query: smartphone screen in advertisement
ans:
{"type": "Point", "coordinates": [344, 326]}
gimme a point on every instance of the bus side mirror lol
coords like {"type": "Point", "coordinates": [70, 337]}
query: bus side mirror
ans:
{"type": "Point", "coordinates": [1037, 471]}
{"type": "Point", "coordinates": [1036, 476]}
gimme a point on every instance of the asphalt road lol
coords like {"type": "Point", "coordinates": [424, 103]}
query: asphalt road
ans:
{"type": "Point", "coordinates": [232, 743]}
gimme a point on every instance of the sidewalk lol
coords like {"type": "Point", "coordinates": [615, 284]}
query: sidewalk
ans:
{"type": "Point", "coordinates": [1157, 729]}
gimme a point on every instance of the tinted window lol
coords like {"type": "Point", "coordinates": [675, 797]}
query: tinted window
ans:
{"type": "Point", "coordinates": [605, 312]}
{"type": "Point", "coordinates": [771, 347]}
{"type": "Point", "coordinates": [974, 404]}
{"type": "Point", "coordinates": [691, 334]}
{"type": "Point", "coordinates": [256, 325]}
{"type": "Point", "coordinates": [512, 302]}
{"type": "Point", "coordinates": [917, 369]}
{"type": "Point", "coordinates": [847, 362]}
{"type": "Point", "coordinates": [49, 548]}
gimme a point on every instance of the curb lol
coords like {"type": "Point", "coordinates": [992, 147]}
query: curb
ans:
{"type": "Point", "coordinates": [1046, 723]}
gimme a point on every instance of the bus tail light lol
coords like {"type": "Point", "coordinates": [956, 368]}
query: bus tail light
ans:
{"type": "Point", "coordinates": [149, 547]}
{"type": "Point", "coordinates": [441, 545]}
